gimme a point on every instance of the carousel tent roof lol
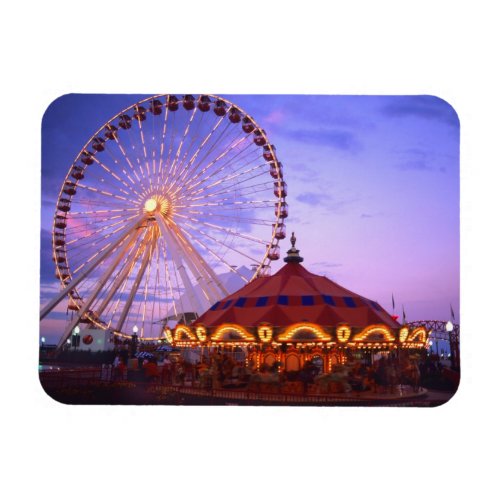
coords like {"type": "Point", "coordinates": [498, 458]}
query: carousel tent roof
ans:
{"type": "Point", "coordinates": [293, 295]}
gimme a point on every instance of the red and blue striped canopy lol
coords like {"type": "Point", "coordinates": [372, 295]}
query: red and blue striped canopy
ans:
{"type": "Point", "coordinates": [295, 295]}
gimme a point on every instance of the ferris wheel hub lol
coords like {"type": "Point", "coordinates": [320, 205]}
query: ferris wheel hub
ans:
{"type": "Point", "coordinates": [151, 205]}
{"type": "Point", "coordinates": [158, 203]}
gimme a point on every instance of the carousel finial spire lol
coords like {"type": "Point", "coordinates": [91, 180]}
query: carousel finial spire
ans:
{"type": "Point", "coordinates": [292, 256]}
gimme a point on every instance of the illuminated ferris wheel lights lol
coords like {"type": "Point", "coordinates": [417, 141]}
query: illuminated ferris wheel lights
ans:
{"type": "Point", "coordinates": [171, 186]}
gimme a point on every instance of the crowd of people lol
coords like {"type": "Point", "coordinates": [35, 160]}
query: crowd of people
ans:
{"type": "Point", "coordinates": [221, 370]}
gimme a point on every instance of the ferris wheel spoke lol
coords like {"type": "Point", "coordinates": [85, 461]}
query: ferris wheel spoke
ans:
{"type": "Point", "coordinates": [262, 187]}
{"type": "Point", "coordinates": [228, 231]}
{"type": "Point", "coordinates": [240, 205]}
{"type": "Point", "coordinates": [162, 147]}
{"type": "Point", "coordinates": [179, 266]}
{"type": "Point", "coordinates": [114, 175]}
{"type": "Point", "coordinates": [129, 133]}
{"type": "Point", "coordinates": [107, 250]}
{"type": "Point", "coordinates": [198, 173]}
{"type": "Point", "coordinates": [227, 133]}
{"type": "Point", "coordinates": [217, 216]}
{"type": "Point", "coordinates": [90, 235]}
{"type": "Point", "coordinates": [84, 249]}
{"type": "Point", "coordinates": [208, 281]}
{"type": "Point", "coordinates": [120, 293]}
{"type": "Point", "coordinates": [165, 174]}
{"type": "Point", "coordinates": [146, 282]}
{"type": "Point", "coordinates": [202, 161]}
{"type": "Point", "coordinates": [174, 165]}
{"type": "Point", "coordinates": [187, 166]}
{"type": "Point", "coordinates": [182, 296]}
{"type": "Point", "coordinates": [124, 274]}
{"type": "Point", "coordinates": [168, 280]}
{"type": "Point", "coordinates": [96, 254]}
{"type": "Point", "coordinates": [139, 122]}
{"type": "Point", "coordinates": [192, 184]}
{"type": "Point", "coordinates": [100, 213]}
{"type": "Point", "coordinates": [105, 291]}
{"type": "Point", "coordinates": [155, 292]}
{"type": "Point", "coordinates": [173, 283]}
{"type": "Point", "coordinates": [100, 283]}
{"type": "Point", "coordinates": [79, 201]}
{"type": "Point", "coordinates": [118, 163]}
{"type": "Point", "coordinates": [182, 162]}
{"type": "Point", "coordinates": [107, 193]}
{"type": "Point", "coordinates": [128, 161]}
{"type": "Point", "coordinates": [146, 160]}
{"type": "Point", "coordinates": [85, 227]}
{"type": "Point", "coordinates": [135, 285]}
{"type": "Point", "coordinates": [229, 178]}
{"type": "Point", "coordinates": [218, 257]}
{"type": "Point", "coordinates": [219, 242]}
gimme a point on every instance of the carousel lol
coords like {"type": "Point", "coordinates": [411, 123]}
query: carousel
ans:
{"type": "Point", "coordinates": [296, 317]}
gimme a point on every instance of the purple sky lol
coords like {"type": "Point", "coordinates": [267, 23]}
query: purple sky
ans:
{"type": "Point", "coordinates": [373, 188]}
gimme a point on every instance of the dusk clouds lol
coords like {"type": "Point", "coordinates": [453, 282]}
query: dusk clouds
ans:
{"type": "Point", "coordinates": [371, 180]}
{"type": "Point", "coordinates": [425, 107]}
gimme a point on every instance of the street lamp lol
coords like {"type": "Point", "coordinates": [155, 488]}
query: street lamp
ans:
{"type": "Point", "coordinates": [133, 346]}
{"type": "Point", "coordinates": [453, 339]}
{"type": "Point", "coordinates": [76, 337]}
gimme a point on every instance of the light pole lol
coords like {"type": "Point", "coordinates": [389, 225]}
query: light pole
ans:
{"type": "Point", "coordinates": [449, 328]}
{"type": "Point", "coordinates": [133, 346]}
{"type": "Point", "coordinates": [76, 336]}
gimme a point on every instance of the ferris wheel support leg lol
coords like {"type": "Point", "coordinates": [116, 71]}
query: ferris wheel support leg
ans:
{"type": "Point", "coordinates": [210, 276]}
{"type": "Point", "coordinates": [53, 303]}
{"type": "Point", "coordinates": [136, 284]}
{"type": "Point", "coordinates": [205, 282]}
{"type": "Point", "coordinates": [176, 253]}
{"type": "Point", "coordinates": [119, 280]}
{"type": "Point", "coordinates": [98, 287]}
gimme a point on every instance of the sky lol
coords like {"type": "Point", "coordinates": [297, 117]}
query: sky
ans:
{"type": "Point", "coordinates": [373, 189]}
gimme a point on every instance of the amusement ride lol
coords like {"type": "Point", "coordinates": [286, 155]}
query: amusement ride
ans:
{"type": "Point", "coordinates": [167, 195]}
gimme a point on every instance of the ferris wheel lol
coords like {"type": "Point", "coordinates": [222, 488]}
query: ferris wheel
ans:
{"type": "Point", "coordinates": [166, 196]}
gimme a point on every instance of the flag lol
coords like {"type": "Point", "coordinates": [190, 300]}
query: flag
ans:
{"type": "Point", "coordinates": [393, 305]}
{"type": "Point", "coordinates": [404, 316]}
{"type": "Point", "coordinates": [452, 313]}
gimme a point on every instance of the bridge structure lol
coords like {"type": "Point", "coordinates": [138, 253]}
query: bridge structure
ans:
{"type": "Point", "coordinates": [446, 331]}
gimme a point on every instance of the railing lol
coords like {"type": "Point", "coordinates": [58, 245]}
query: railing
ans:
{"type": "Point", "coordinates": [74, 377]}
{"type": "Point", "coordinates": [85, 377]}
{"type": "Point", "coordinates": [243, 395]}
